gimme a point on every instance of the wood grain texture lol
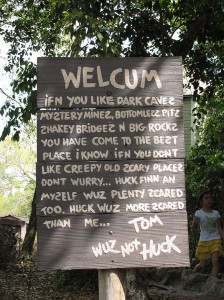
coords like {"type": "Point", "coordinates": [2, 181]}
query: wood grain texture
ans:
{"type": "Point", "coordinates": [110, 134]}
{"type": "Point", "coordinates": [69, 185]}
{"type": "Point", "coordinates": [116, 245]}
{"type": "Point", "coordinates": [110, 170]}
{"type": "Point", "coordinates": [51, 81]}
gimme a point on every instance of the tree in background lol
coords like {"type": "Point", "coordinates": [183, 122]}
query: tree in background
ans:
{"type": "Point", "coordinates": [205, 164]}
{"type": "Point", "coordinates": [18, 181]}
{"type": "Point", "coordinates": [17, 174]}
{"type": "Point", "coordinates": [191, 29]}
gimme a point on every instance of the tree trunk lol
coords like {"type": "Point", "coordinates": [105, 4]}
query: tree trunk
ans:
{"type": "Point", "coordinates": [28, 243]}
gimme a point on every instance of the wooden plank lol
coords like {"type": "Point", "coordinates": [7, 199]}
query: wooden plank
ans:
{"type": "Point", "coordinates": [110, 134]}
{"type": "Point", "coordinates": [115, 241]}
{"type": "Point", "coordinates": [65, 82]}
{"type": "Point", "coordinates": [110, 176]}
{"type": "Point", "coordinates": [128, 186]}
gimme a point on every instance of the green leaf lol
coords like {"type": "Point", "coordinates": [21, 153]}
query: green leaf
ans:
{"type": "Point", "coordinates": [100, 37]}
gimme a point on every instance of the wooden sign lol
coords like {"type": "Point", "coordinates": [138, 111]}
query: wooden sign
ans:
{"type": "Point", "coordinates": [109, 82]}
{"type": "Point", "coordinates": [79, 188]}
{"type": "Point", "coordinates": [110, 171]}
{"type": "Point", "coordinates": [110, 134]}
{"type": "Point", "coordinates": [113, 241]}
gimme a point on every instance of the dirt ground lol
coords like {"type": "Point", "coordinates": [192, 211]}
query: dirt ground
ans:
{"type": "Point", "coordinates": [176, 294]}
{"type": "Point", "coordinates": [25, 282]}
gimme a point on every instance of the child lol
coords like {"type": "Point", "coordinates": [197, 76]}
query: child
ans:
{"type": "Point", "coordinates": [210, 244]}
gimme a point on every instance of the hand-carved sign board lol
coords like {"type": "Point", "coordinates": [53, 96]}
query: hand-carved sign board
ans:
{"type": "Point", "coordinates": [139, 134]}
{"type": "Point", "coordinates": [110, 171]}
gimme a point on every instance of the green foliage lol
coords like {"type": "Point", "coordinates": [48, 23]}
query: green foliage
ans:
{"type": "Point", "coordinates": [205, 164]}
{"type": "Point", "coordinates": [206, 161]}
{"type": "Point", "coordinates": [74, 279]}
{"type": "Point", "coordinates": [191, 29]}
{"type": "Point", "coordinates": [17, 174]}
{"type": "Point", "coordinates": [8, 243]}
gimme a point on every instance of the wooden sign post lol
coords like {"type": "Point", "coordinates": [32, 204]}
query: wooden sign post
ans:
{"type": "Point", "coordinates": [112, 284]}
{"type": "Point", "coordinates": [110, 170]}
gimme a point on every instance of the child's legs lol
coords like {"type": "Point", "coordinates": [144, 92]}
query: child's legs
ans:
{"type": "Point", "coordinates": [215, 264]}
{"type": "Point", "coordinates": [200, 265]}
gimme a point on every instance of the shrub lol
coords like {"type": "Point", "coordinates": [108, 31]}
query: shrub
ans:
{"type": "Point", "coordinates": [8, 245]}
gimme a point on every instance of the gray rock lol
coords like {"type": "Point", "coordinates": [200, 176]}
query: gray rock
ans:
{"type": "Point", "coordinates": [195, 282]}
{"type": "Point", "coordinates": [214, 287]}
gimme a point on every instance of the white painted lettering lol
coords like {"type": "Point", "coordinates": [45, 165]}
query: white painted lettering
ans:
{"type": "Point", "coordinates": [145, 224]}
{"type": "Point", "coordinates": [155, 249]}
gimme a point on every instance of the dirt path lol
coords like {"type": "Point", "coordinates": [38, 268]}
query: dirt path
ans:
{"type": "Point", "coordinates": [27, 283]}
